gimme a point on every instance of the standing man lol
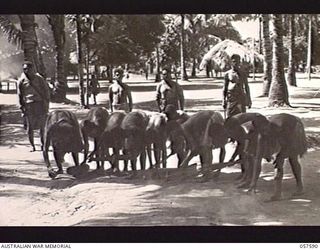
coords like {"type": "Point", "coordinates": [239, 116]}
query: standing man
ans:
{"type": "Point", "coordinates": [34, 98]}
{"type": "Point", "coordinates": [94, 87]}
{"type": "Point", "coordinates": [119, 93]}
{"type": "Point", "coordinates": [236, 92]}
{"type": "Point", "coordinates": [169, 92]}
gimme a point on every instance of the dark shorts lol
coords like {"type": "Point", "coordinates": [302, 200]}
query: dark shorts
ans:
{"type": "Point", "coordinates": [122, 106]}
{"type": "Point", "coordinates": [163, 103]}
{"type": "Point", "coordinates": [35, 115]}
{"type": "Point", "coordinates": [235, 104]}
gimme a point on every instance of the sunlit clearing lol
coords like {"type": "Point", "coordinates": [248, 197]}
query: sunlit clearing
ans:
{"type": "Point", "coordinates": [271, 178]}
{"type": "Point", "coordinates": [313, 129]}
{"type": "Point", "coordinates": [268, 223]}
{"type": "Point", "coordinates": [231, 170]}
{"type": "Point", "coordinates": [301, 200]}
{"type": "Point", "coordinates": [230, 224]}
{"type": "Point", "coordinates": [202, 193]}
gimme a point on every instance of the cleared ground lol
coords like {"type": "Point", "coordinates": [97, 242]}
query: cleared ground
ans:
{"type": "Point", "coordinates": [175, 198]}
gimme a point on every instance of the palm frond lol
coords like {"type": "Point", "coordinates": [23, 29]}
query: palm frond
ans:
{"type": "Point", "coordinates": [13, 34]}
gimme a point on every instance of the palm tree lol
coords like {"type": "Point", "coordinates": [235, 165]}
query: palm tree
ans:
{"type": "Point", "coordinates": [183, 70]}
{"type": "Point", "coordinates": [25, 38]}
{"type": "Point", "coordinates": [267, 53]}
{"type": "Point", "coordinates": [309, 55]}
{"type": "Point", "coordinates": [57, 26]}
{"type": "Point", "coordinates": [291, 60]}
{"type": "Point", "coordinates": [30, 42]}
{"type": "Point", "coordinates": [278, 95]}
{"type": "Point", "coordinates": [76, 20]}
{"type": "Point", "coordinates": [80, 59]}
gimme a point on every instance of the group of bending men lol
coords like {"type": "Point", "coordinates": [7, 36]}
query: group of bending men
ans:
{"type": "Point", "coordinates": [34, 95]}
{"type": "Point", "coordinates": [265, 136]}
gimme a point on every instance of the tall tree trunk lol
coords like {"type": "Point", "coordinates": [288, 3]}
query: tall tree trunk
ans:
{"type": "Point", "coordinates": [309, 49]}
{"type": "Point", "coordinates": [194, 40]}
{"type": "Point", "coordinates": [111, 73]}
{"type": "Point", "coordinates": [80, 61]}
{"type": "Point", "coordinates": [253, 61]}
{"type": "Point", "coordinates": [194, 66]}
{"type": "Point", "coordinates": [42, 68]}
{"type": "Point", "coordinates": [267, 53]}
{"type": "Point", "coordinates": [58, 30]}
{"type": "Point", "coordinates": [291, 60]}
{"type": "Point", "coordinates": [260, 34]}
{"type": "Point", "coordinates": [29, 41]}
{"type": "Point", "coordinates": [182, 51]}
{"type": "Point", "coordinates": [278, 95]}
{"type": "Point", "coordinates": [87, 70]}
{"type": "Point", "coordinates": [158, 78]}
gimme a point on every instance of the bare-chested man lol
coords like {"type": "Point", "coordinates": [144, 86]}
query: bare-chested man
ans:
{"type": "Point", "coordinates": [169, 92]}
{"type": "Point", "coordinates": [34, 98]}
{"type": "Point", "coordinates": [119, 93]}
{"type": "Point", "coordinates": [236, 91]}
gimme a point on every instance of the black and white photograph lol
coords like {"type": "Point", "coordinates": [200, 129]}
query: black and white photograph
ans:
{"type": "Point", "coordinates": [152, 120]}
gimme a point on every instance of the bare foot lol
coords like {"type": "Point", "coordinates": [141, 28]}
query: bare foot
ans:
{"type": "Point", "coordinates": [243, 185]}
{"type": "Point", "coordinates": [52, 173]}
{"type": "Point", "coordinates": [275, 197]}
{"type": "Point", "coordinates": [60, 171]}
{"type": "Point", "coordinates": [298, 193]}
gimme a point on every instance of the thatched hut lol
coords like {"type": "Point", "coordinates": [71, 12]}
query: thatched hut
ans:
{"type": "Point", "coordinates": [219, 55]}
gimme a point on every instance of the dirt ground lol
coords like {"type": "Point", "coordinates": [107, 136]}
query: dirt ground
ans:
{"type": "Point", "coordinates": [169, 197]}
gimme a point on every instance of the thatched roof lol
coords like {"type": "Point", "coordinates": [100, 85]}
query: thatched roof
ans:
{"type": "Point", "coordinates": [220, 54]}
{"type": "Point", "coordinates": [11, 65]}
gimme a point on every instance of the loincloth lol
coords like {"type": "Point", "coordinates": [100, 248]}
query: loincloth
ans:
{"type": "Point", "coordinates": [122, 106]}
{"type": "Point", "coordinates": [35, 114]}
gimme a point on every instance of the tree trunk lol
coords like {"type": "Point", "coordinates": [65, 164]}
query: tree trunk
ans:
{"type": "Point", "coordinates": [158, 78]}
{"type": "Point", "coordinates": [309, 48]}
{"type": "Point", "coordinates": [151, 65]}
{"type": "Point", "coordinates": [29, 41]}
{"type": "Point", "coordinates": [111, 73]}
{"type": "Point", "coordinates": [87, 70]}
{"type": "Point", "coordinates": [260, 34]}
{"type": "Point", "coordinates": [278, 95]}
{"type": "Point", "coordinates": [182, 52]}
{"type": "Point", "coordinates": [57, 26]}
{"type": "Point", "coordinates": [194, 67]}
{"type": "Point", "coordinates": [80, 61]}
{"type": "Point", "coordinates": [267, 53]}
{"type": "Point", "coordinates": [291, 60]}
{"type": "Point", "coordinates": [253, 61]}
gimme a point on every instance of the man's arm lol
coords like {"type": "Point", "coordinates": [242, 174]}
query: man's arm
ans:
{"type": "Point", "coordinates": [46, 90]}
{"type": "Point", "coordinates": [110, 98]}
{"type": "Point", "coordinates": [158, 95]}
{"type": "Point", "coordinates": [225, 91]}
{"type": "Point", "coordinates": [45, 95]}
{"type": "Point", "coordinates": [180, 97]}
{"type": "Point", "coordinates": [247, 90]}
{"type": "Point", "coordinates": [129, 98]}
{"type": "Point", "coordinates": [20, 95]}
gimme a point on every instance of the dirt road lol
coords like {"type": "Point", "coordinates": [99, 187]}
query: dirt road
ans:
{"type": "Point", "coordinates": [177, 198]}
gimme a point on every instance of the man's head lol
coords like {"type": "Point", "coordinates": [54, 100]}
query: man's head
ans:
{"type": "Point", "coordinates": [166, 73]}
{"type": "Point", "coordinates": [235, 61]}
{"type": "Point", "coordinates": [28, 68]}
{"type": "Point", "coordinates": [118, 73]}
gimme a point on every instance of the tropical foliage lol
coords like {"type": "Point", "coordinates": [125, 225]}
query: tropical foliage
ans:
{"type": "Point", "coordinates": [157, 40]}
